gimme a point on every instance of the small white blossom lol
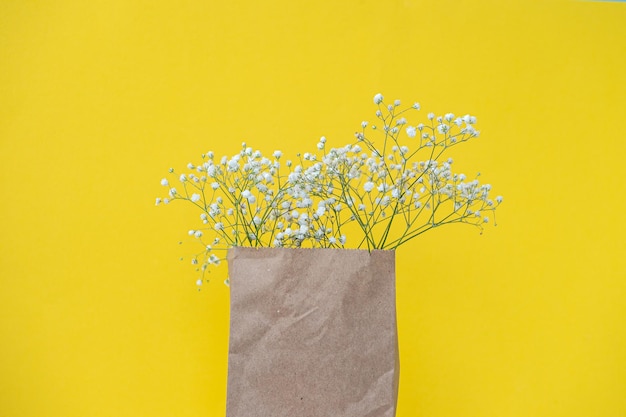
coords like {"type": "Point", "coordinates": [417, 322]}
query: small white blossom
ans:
{"type": "Point", "coordinates": [378, 98]}
{"type": "Point", "coordinates": [443, 128]}
{"type": "Point", "coordinates": [195, 197]}
{"type": "Point", "coordinates": [411, 131]}
{"type": "Point", "coordinates": [233, 165]}
{"type": "Point", "coordinates": [165, 182]}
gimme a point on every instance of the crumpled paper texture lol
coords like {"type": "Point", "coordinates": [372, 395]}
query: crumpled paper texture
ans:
{"type": "Point", "coordinates": [312, 333]}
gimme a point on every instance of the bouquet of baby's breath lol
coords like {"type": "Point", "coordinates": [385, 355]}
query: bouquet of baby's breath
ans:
{"type": "Point", "coordinates": [388, 186]}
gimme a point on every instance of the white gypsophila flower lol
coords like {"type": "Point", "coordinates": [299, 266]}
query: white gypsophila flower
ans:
{"type": "Point", "coordinates": [307, 203]}
{"type": "Point", "coordinates": [233, 165]}
{"type": "Point", "coordinates": [469, 119]}
{"type": "Point", "coordinates": [499, 199]}
{"type": "Point", "coordinates": [211, 170]}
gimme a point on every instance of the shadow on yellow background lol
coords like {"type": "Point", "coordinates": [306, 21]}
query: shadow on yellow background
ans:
{"type": "Point", "coordinates": [98, 99]}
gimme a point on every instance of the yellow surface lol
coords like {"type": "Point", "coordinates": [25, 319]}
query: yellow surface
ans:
{"type": "Point", "coordinates": [99, 98]}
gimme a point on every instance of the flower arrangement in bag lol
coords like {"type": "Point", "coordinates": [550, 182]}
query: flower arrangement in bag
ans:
{"type": "Point", "coordinates": [390, 184]}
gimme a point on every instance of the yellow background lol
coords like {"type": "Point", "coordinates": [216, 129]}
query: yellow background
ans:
{"type": "Point", "coordinates": [99, 98]}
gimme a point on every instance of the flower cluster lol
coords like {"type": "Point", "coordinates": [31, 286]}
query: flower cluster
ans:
{"type": "Point", "coordinates": [382, 193]}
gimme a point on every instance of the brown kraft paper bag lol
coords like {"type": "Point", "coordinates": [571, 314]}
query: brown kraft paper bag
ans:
{"type": "Point", "coordinates": [312, 333]}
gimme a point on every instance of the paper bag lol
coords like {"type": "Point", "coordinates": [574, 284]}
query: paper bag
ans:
{"type": "Point", "coordinates": [312, 333]}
